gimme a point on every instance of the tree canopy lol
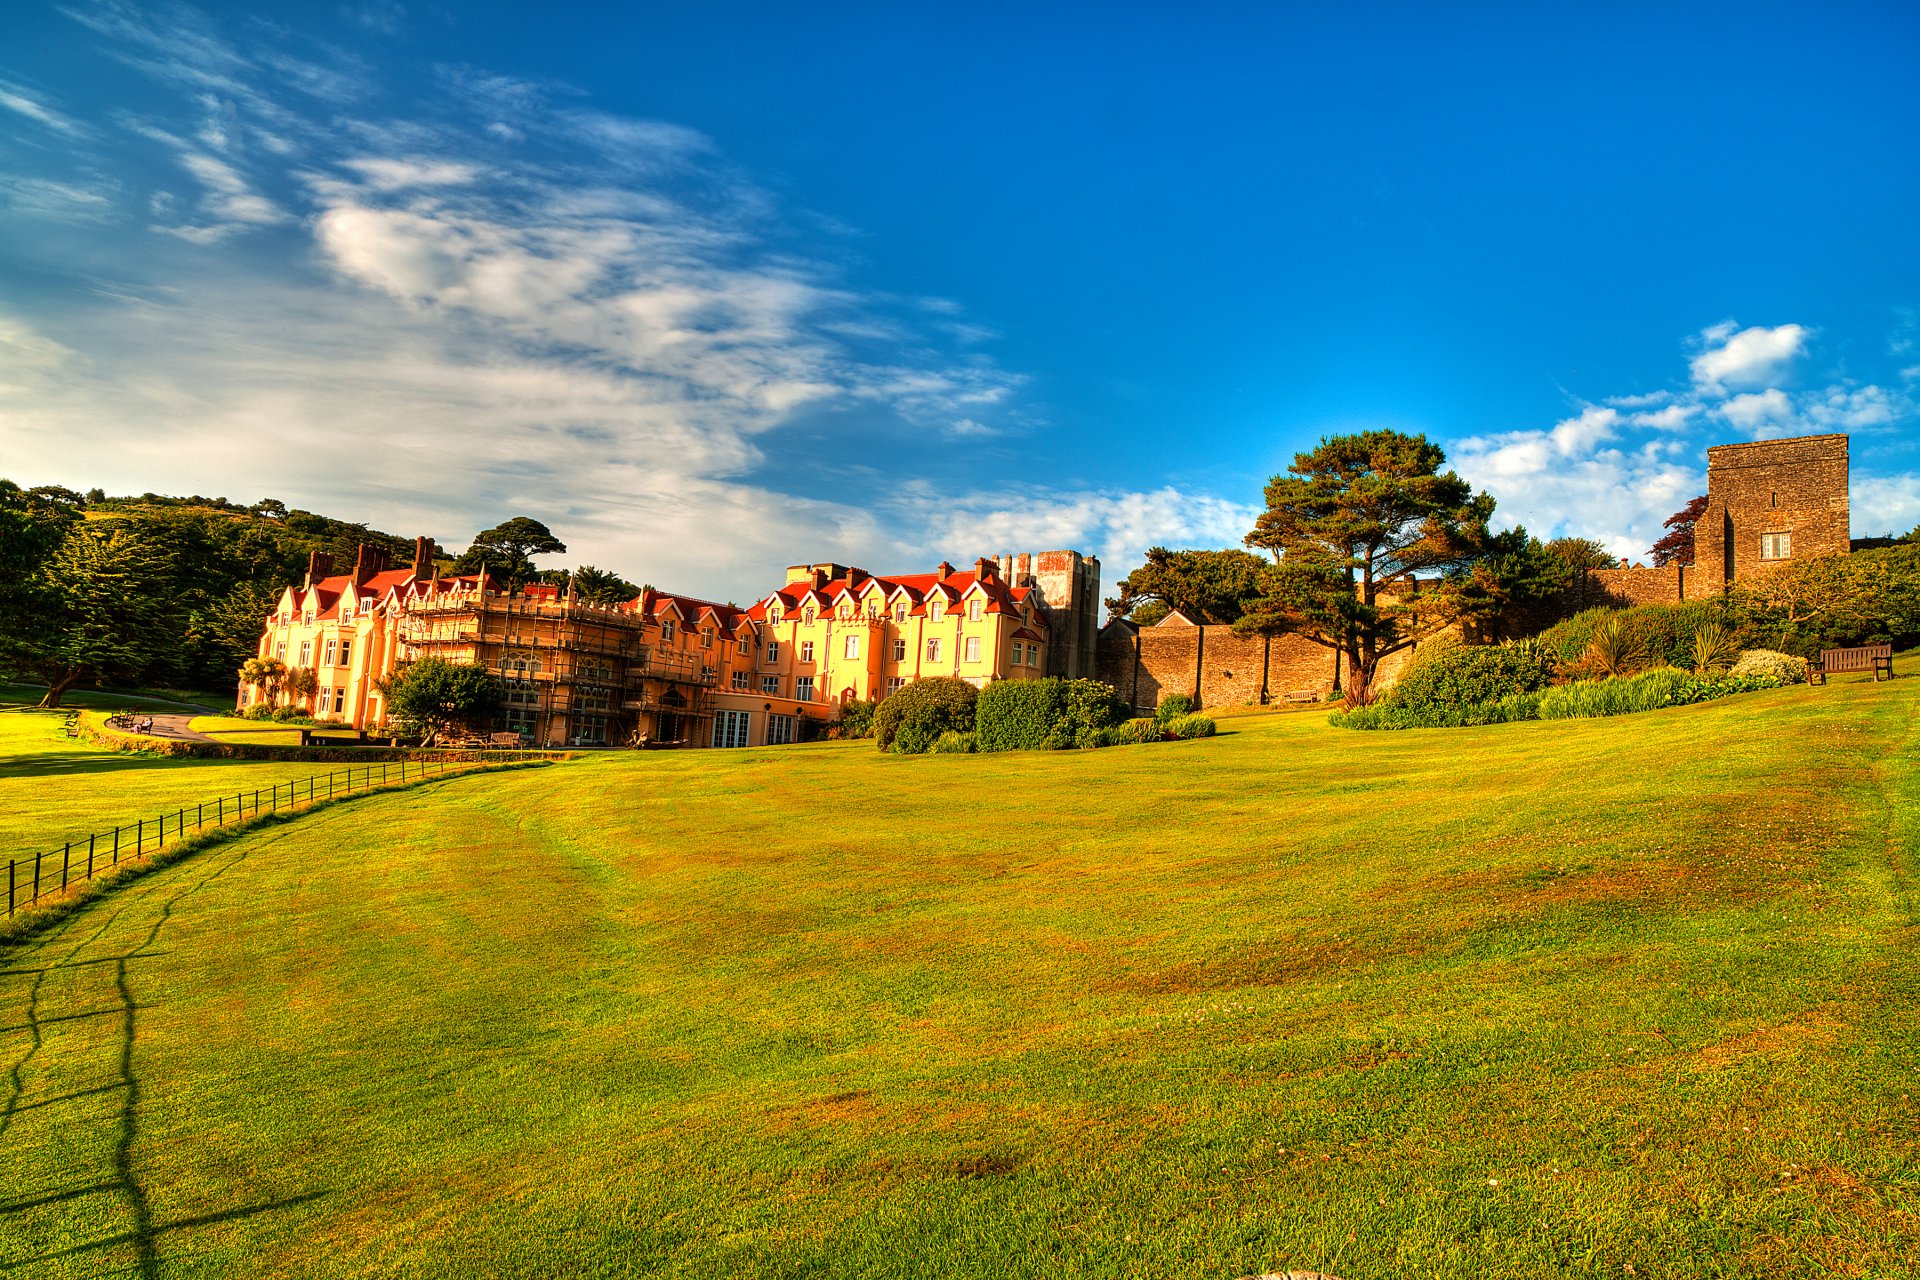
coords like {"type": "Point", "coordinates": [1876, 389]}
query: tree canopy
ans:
{"type": "Point", "coordinates": [1676, 546]}
{"type": "Point", "coordinates": [433, 696]}
{"type": "Point", "coordinates": [1351, 527]}
{"type": "Point", "coordinates": [1206, 586]}
{"type": "Point", "coordinates": [602, 587]}
{"type": "Point", "coordinates": [508, 549]}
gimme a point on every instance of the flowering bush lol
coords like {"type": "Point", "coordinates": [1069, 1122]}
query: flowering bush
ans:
{"type": "Point", "coordinates": [1772, 664]}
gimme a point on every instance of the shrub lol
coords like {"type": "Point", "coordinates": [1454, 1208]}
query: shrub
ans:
{"type": "Point", "coordinates": [258, 711]}
{"type": "Point", "coordinates": [1615, 649]}
{"type": "Point", "coordinates": [1173, 706]}
{"type": "Point", "coordinates": [1664, 631]}
{"type": "Point", "coordinates": [1771, 664]}
{"type": "Point", "coordinates": [1029, 715]}
{"type": "Point", "coordinates": [1470, 675]}
{"type": "Point", "coordinates": [1714, 650]}
{"type": "Point", "coordinates": [1143, 729]}
{"type": "Point", "coordinates": [1191, 726]}
{"type": "Point", "coordinates": [951, 743]}
{"type": "Point", "coordinates": [1517, 706]}
{"type": "Point", "coordinates": [856, 719]}
{"type": "Point", "coordinates": [913, 716]}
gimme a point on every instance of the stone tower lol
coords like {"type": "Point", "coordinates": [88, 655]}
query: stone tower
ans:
{"type": "Point", "coordinates": [1769, 502]}
{"type": "Point", "coordinates": [1069, 585]}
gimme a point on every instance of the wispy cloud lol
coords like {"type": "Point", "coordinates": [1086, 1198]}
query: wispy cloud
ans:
{"type": "Point", "coordinates": [1732, 357]}
{"type": "Point", "coordinates": [23, 102]}
{"type": "Point", "coordinates": [510, 300]}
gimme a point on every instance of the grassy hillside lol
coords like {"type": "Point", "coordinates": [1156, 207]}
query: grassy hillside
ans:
{"type": "Point", "coordinates": [1544, 999]}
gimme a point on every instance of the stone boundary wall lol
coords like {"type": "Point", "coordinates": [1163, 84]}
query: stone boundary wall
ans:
{"type": "Point", "coordinates": [1217, 667]}
{"type": "Point", "coordinates": [1637, 584]}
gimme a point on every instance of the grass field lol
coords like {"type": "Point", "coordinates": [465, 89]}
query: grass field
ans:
{"type": "Point", "coordinates": [1588, 998]}
{"type": "Point", "coordinates": [54, 789]}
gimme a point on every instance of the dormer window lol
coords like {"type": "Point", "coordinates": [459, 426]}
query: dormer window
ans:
{"type": "Point", "coordinates": [873, 609]}
{"type": "Point", "coordinates": [706, 637]}
{"type": "Point", "coordinates": [845, 611]}
{"type": "Point", "coordinates": [807, 616]}
{"type": "Point", "coordinates": [900, 611]}
{"type": "Point", "coordinates": [937, 610]}
{"type": "Point", "coordinates": [973, 611]}
{"type": "Point", "coordinates": [773, 615]}
{"type": "Point", "coordinates": [666, 631]}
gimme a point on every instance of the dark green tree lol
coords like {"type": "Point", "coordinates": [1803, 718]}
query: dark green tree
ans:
{"type": "Point", "coordinates": [601, 586]}
{"type": "Point", "coordinates": [1351, 527]}
{"type": "Point", "coordinates": [1583, 553]}
{"type": "Point", "coordinates": [98, 615]}
{"type": "Point", "coordinates": [508, 549]}
{"type": "Point", "coordinates": [1206, 586]}
{"type": "Point", "coordinates": [433, 696]}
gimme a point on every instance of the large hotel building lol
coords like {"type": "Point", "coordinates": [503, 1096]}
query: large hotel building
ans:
{"type": "Point", "coordinates": [673, 670]}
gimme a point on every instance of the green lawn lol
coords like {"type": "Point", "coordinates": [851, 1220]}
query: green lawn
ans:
{"type": "Point", "coordinates": [1589, 998]}
{"type": "Point", "coordinates": [53, 789]}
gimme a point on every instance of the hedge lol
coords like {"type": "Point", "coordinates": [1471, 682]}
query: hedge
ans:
{"type": "Point", "coordinates": [1472, 675]}
{"type": "Point", "coordinates": [913, 716]}
{"type": "Point", "coordinates": [1033, 715]}
{"type": "Point", "coordinates": [1648, 691]}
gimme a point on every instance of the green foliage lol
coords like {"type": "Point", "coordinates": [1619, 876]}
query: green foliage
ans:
{"type": "Point", "coordinates": [1136, 731]}
{"type": "Point", "coordinates": [1474, 674]}
{"type": "Point", "coordinates": [1648, 691]}
{"type": "Point", "coordinates": [601, 587]}
{"type": "Point", "coordinates": [1191, 726]}
{"type": "Point", "coordinates": [1207, 586]}
{"type": "Point", "coordinates": [508, 550]}
{"type": "Point", "coordinates": [952, 743]}
{"type": "Point", "coordinates": [1580, 554]}
{"type": "Point", "coordinates": [856, 718]}
{"type": "Point", "coordinates": [96, 615]}
{"type": "Point", "coordinates": [1771, 664]}
{"type": "Point", "coordinates": [1519, 706]}
{"type": "Point", "coordinates": [1831, 602]}
{"type": "Point", "coordinates": [1030, 715]}
{"type": "Point", "coordinates": [433, 695]}
{"type": "Point", "coordinates": [1714, 650]}
{"type": "Point", "coordinates": [1352, 524]}
{"type": "Point", "coordinates": [1172, 706]}
{"type": "Point", "coordinates": [1615, 650]}
{"type": "Point", "coordinates": [911, 717]}
{"type": "Point", "coordinates": [1663, 633]}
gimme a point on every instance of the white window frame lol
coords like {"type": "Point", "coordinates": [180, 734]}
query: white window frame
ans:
{"type": "Point", "coordinates": [1776, 546]}
{"type": "Point", "coordinates": [973, 649]}
{"type": "Point", "coordinates": [853, 647]}
{"type": "Point", "coordinates": [933, 648]}
{"type": "Point", "coordinates": [732, 728]}
{"type": "Point", "coordinates": [779, 730]}
{"type": "Point", "coordinates": [346, 653]}
{"type": "Point", "coordinates": [937, 610]}
{"type": "Point", "coordinates": [896, 683]}
{"type": "Point", "coordinates": [770, 686]}
{"type": "Point", "coordinates": [973, 611]}
{"type": "Point", "coordinates": [900, 649]}
{"type": "Point", "coordinates": [803, 689]}
{"type": "Point", "coordinates": [773, 651]}
{"type": "Point", "coordinates": [806, 651]}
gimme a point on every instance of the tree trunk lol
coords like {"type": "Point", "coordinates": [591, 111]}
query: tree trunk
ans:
{"type": "Point", "coordinates": [57, 689]}
{"type": "Point", "coordinates": [1360, 669]}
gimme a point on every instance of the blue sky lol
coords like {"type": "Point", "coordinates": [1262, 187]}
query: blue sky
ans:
{"type": "Point", "coordinates": [715, 288]}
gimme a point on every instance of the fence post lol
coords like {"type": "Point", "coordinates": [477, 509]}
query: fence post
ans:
{"type": "Point", "coordinates": [220, 811]}
{"type": "Point", "coordinates": [200, 815]}
{"type": "Point", "coordinates": [139, 836]}
{"type": "Point", "coordinates": [10, 866]}
{"type": "Point", "coordinates": [116, 846]}
{"type": "Point", "coordinates": [36, 877]}
{"type": "Point", "coordinates": [180, 823]}
{"type": "Point", "coordinates": [256, 800]}
{"type": "Point", "coordinates": [66, 861]}
{"type": "Point", "coordinates": [89, 857]}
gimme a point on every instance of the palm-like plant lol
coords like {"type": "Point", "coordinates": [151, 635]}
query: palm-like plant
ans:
{"type": "Point", "coordinates": [1714, 650]}
{"type": "Point", "coordinates": [267, 675]}
{"type": "Point", "coordinates": [1614, 650]}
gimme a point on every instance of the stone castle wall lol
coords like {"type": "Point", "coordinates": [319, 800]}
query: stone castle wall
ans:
{"type": "Point", "coordinates": [1216, 667]}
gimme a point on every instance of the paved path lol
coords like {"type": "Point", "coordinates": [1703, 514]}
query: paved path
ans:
{"type": "Point", "coordinates": [175, 726]}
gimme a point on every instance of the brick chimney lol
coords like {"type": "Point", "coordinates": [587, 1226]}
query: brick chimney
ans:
{"type": "Point", "coordinates": [819, 576]}
{"type": "Point", "coordinates": [944, 569]}
{"type": "Point", "coordinates": [370, 561]}
{"type": "Point", "coordinates": [983, 569]}
{"type": "Point", "coordinates": [319, 565]}
{"type": "Point", "coordinates": [423, 557]}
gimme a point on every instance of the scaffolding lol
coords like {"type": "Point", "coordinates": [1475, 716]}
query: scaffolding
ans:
{"type": "Point", "coordinates": [576, 674]}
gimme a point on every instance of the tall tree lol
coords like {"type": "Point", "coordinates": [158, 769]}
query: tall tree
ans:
{"type": "Point", "coordinates": [509, 548]}
{"type": "Point", "coordinates": [1206, 586]}
{"type": "Point", "coordinates": [1676, 546]}
{"type": "Point", "coordinates": [100, 617]}
{"type": "Point", "coordinates": [1350, 528]}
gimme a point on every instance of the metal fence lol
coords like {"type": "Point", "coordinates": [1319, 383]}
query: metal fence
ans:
{"type": "Point", "coordinates": [30, 879]}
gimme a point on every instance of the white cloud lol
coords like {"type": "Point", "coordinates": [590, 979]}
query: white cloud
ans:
{"type": "Point", "coordinates": [1116, 525]}
{"type": "Point", "coordinates": [1885, 504]}
{"type": "Point", "coordinates": [19, 100]}
{"type": "Point", "coordinates": [1746, 358]}
{"type": "Point", "coordinates": [1759, 413]}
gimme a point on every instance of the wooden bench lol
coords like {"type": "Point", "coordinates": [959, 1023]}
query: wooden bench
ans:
{"type": "Point", "coordinates": [1876, 658]}
{"type": "Point", "coordinates": [1304, 695]}
{"type": "Point", "coordinates": [508, 738]}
